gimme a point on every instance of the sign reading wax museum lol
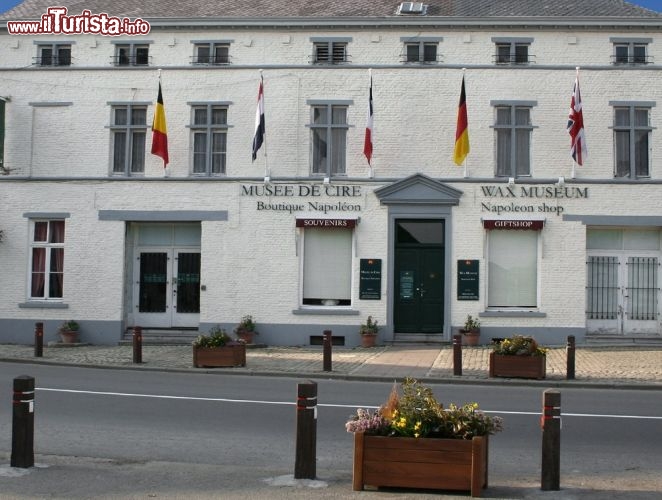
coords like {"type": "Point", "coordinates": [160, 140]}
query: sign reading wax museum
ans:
{"type": "Point", "coordinates": [526, 199]}
{"type": "Point", "coordinates": [370, 279]}
{"type": "Point", "coordinates": [295, 198]}
{"type": "Point", "coordinates": [467, 280]}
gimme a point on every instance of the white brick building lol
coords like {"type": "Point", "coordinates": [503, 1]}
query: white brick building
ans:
{"type": "Point", "coordinates": [96, 230]}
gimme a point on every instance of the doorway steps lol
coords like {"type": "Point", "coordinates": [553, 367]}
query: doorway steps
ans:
{"type": "Point", "coordinates": [417, 338]}
{"type": "Point", "coordinates": [162, 336]}
{"type": "Point", "coordinates": [606, 340]}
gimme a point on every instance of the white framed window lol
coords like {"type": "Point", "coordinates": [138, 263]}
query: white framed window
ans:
{"type": "Point", "coordinates": [513, 130]}
{"type": "Point", "coordinates": [632, 139]}
{"type": "Point", "coordinates": [211, 52]}
{"type": "Point", "coordinates": [128, 132]}
{"type": "Point", "coordinates": [330, 50]}
{"type": "Point", "coordinates": [512, 51]}
{"type": "Point", "coordinates": [327, 267]}
{"type": "Point", "coordinates": [631, 51]}
{"type": "Point", "coordinates": [421, 49]}
{"type": "Point", "coordinates": [512, 269]}
{"type": "Point", "coordinates": [46, 259]}
{"type": "Point", "coordinates": [328, 129]}
{"type": "Point", "coordinates": [131, 54]}
{"type": "Point", "coordinates": [209, 128]}
{"type": "Point", "coordinates": [53, 54]}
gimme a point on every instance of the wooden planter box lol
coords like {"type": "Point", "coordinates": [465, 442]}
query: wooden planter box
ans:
{"type": "Point", "coordinates": [400, 462]}
{"type": "Point", "coordinates": [517, 366]}
{"type": "Point", "coordinates": [229, 355]}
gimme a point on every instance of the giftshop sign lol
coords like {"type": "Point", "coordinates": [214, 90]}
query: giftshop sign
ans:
{"type": "Point", "coordinates": [335, 199]}
{"type": "Point", "coordinates": [542, 200]}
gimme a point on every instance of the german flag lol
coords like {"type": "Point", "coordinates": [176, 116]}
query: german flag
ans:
{"type": "Point", "coordinates": [159, 130]}
{"type": "Point", "coordinates": [462, 132]}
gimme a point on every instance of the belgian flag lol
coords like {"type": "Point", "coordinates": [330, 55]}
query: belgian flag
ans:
{"type": "Point", "coordinates": [159, 130]}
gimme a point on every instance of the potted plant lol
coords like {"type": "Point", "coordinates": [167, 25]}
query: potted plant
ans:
{"type": "Point", "coordinates": [218, 349]}
{"type": "Point", "coordinates": [68, 332]}
{"type": "Point", "coordinates": [412, 441]}
{"type": "Point", "coordinates": [245, 330]}
{"type": "Point", "coordinates": [518, 356]}
{"type": "Point", "coordinates": [470, 331]}
{"type": "Point", "coordinates": [368, 332]}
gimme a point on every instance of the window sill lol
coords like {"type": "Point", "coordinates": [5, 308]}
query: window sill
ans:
{"type": "Point", "coordinates": [326, 311]}
{"type": "Point", "coordinates": [512, 314]}
{"type": "Point", "coordinates": [43, 305]}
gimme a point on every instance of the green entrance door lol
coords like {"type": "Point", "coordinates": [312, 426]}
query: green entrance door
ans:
{"type": "Point", "coordinates": [419, 276]}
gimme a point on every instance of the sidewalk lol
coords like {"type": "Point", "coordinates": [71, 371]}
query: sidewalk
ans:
{"type": "Point", "coordinates": [637, 366]}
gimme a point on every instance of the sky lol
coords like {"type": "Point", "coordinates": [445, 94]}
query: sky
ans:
{"type": "Point", "coordinates": [649, 4]}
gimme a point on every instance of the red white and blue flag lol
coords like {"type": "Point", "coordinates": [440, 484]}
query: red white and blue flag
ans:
{"type": "Point", "coordinates": [367, 143]}
{"type": "Point", "coordinates": [578, 148]}
{"type": "Point", "coordinates": [258, 138]}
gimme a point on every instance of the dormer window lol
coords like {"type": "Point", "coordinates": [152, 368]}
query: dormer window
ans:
{"type": "Point", "coordinates": [412, 8]}
{"type": "Point", "coordinates": [212, 52]}
{"type": "Point", "coordinates": [53, 54]}
{"type": "Point", "coordinates": [330, 50]}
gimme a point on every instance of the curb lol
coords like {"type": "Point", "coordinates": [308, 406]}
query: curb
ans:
{"type": "Point", "coordinates": [455, 380]}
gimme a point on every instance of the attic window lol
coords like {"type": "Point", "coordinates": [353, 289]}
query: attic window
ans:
{"type": "Point", "coordinates": [416, 8]}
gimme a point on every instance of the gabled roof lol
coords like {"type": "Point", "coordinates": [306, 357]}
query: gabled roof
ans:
{"type": "Point", "coordinates": [329, 9]}
{"type": "Point", "coordinates": [418, 189]}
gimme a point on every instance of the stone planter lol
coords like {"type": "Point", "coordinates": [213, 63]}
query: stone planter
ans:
{"type": "Point", "coordinates": [517, 366]}
{"type": "Point", "coordinates": [400, 462]}
{"type": "Point", "coordinates": [230, 355]}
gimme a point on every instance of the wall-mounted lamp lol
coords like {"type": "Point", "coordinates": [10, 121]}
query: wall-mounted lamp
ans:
{"type": "Point", "coordinates": [267, 179]}
{"type": "Point", "coordinates": [561, 181]}
{"type": "Point", "coordinates": [511, 181]}
{"type": "Point", "coordinates": [327, 180]}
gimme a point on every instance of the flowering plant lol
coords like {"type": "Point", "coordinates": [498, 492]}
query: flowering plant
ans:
{"type": "Point", "coordinates": [416, 413]}
{"type": "Point", "coordinates": [471, 324]}
{"type": "Point", "coordinates": [519, 345]}
{"type": "Point", "coordinates": [217, 338]}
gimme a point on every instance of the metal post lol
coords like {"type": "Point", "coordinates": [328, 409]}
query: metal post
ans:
{"type": "Point", "coordinates": [551, 441]}
{"type": "Point", "coordinates": [457, 354]}
{"type": "Point", "coordinates": [22, 440]}
{"type": "Point", "coordinates": [305, 464]}
{"type": "Point", "coordinates": [327, 347]}
{"type": "Point", "coordinates": [38, 340]}
{"type": "Point", "coordinates": [570, 353]}
{"type": "Point", "coordinates": [137, 344]}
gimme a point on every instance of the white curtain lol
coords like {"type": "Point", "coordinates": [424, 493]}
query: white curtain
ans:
{"type": "Point", "coordinates": [327, 264]}
{"type": "Point", "coordinates": [513, 268]}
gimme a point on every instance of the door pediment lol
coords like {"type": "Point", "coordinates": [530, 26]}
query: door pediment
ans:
{"type": "Point", "coordinates": [418, 189]}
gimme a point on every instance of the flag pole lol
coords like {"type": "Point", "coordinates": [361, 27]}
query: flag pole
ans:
{"type": "Point", "coordinates": [267, 171]}
{"type": "Point", "coordinates": [371, 173]}
{"type": "Point", "coordinates": [466, 170]}
{"type": "Point", "coordinates": [574, 163]}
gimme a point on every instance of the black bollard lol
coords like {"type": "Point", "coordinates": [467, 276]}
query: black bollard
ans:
{"type": "Point", "coordinates": [137, 344]}
{"type": "Point", "coordinates": [22, 440]}
{"type": "Point", "coordinates": [38, 340]}
{"type": "Point", "coordinates": [551, 441]}
{"type": "Point", "coordinates": [305, 464]}
{"type": "Point", "coordinates": [570, 358]}
{"type": "Point", "coordinates": [327, 343]}
{"type": "Point", "coordinates": [457, 354]}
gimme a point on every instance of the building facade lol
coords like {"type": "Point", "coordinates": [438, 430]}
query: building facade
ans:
{"type": "Point", "coordinates": [309, 236]}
